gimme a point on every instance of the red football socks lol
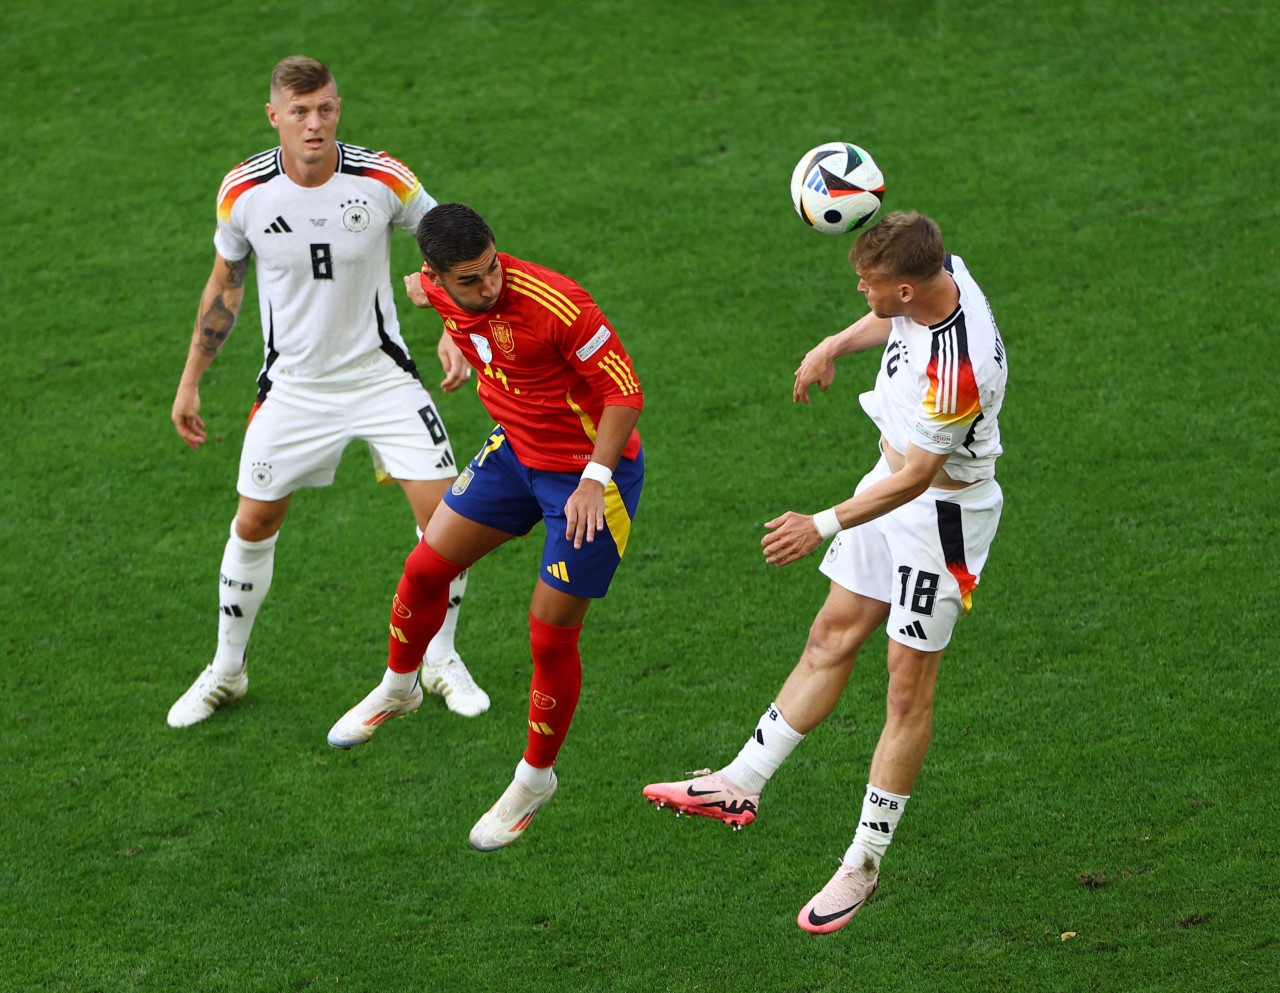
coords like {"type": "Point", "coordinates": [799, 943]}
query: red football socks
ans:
{"type": "Point", "coordinates": [419, 606]}
{"type": "Point", "coordinates": [554, 691]}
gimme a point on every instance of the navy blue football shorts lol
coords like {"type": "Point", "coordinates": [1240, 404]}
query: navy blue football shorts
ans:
{"type": "Point", "coordinates": [498, 490]}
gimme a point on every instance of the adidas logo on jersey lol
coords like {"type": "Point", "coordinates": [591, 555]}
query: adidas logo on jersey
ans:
{"type": "Point", "coordinates": [278, 226]}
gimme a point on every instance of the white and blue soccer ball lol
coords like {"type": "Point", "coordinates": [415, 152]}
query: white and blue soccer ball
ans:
{"type": "Point", "coordinates": [837, 187]}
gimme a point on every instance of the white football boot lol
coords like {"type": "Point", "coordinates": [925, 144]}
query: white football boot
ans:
{"type": "Point", "coordinates": [448, 677]}
{"type": "Point", "coordinates": [357, 725]}
{"type": "Point", "coordinates": [209, 692]}
{"type": "Point", "coordinates": [507, 819]}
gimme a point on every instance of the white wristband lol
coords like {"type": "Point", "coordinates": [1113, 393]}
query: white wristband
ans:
{"type": "Point", "coordinates": [827, 523]}
{"type": "Point", "coordinates": [599, 472]}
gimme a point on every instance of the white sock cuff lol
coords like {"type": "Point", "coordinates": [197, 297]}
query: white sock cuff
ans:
{"type": "Point", "coordinates": [533, 777]}
{"type": "Point", "coordinates": [265, 545]}
{"type": "Point", "coordinates": [399, 682]}
{"type": "Point", "coordinates": [886, 795]}
{"type": "Point", "coordinates": [779, 723]}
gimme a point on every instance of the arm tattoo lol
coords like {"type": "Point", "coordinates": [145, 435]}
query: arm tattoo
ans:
{"type": "Point", "coordinates": [215, 324]}
{"type": "Point", "coordinates": [236, 272]}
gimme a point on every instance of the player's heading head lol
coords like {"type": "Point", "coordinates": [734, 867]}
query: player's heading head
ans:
{"type": "Point", "coordinates": [451, 233]}
{"type": "Point", "coordinates": [300, 74]}
{"type": "Point", "coordinates": [900, 246]}
{"type": "Point", "coordinates": [459, 255]}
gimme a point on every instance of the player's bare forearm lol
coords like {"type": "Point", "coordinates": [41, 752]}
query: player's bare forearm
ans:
{"type": "Point", "coordinates": [792, 536]}
{"type": "Point", "coordinates": [868, 331]}
{"type": "Point", "coordinates": [584, 510]}
{"type": "Point", "coordinates": [818, 366]}
{"type": "Point", "coordinates": [457, 370]}
{"type": "Point", "coordinates": [612, 434]}
{"type": "Point", "coordinates": [219, 306]}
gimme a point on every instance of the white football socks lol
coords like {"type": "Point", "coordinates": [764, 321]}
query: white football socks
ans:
{"type": "Point", "coordinates": [245, 579]}
{"type": "Point", "coordinates": [767, 748]}
{"type": "Point", "coordinates": [533, 777]}
{"type": "Point", "coordinates": [881, 811]}
{"type": "Point", "coordinates": [399, 683]}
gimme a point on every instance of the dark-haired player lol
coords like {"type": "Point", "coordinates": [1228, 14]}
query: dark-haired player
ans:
{"type": "Point", "coordinates": [562, 389]}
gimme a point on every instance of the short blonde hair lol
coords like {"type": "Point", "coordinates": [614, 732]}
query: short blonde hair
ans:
{"type": "Point", "coordinates": [907, 246]}
{"type": "Point", "coordinates": [300, 74]}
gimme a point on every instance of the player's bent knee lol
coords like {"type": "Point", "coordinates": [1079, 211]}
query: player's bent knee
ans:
{"type": "Point", "coordinates": [909, 704]}
{"type": "Point", "coordinates": [832, 643]}
{"type": "Point", "coordinates": [425, 567]}
{"type": "Point", "coordinates": [258, 521]}
{"type": "Point", "coordinates": [913, 675]}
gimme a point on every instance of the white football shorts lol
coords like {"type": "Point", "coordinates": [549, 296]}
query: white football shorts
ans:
{"type": "Point", "coordinates": [297, 436]}
{"type": "Point", "coordinates": [923, 559]}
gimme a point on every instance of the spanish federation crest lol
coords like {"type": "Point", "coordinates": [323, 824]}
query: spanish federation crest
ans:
{"type": "Point", "coordinates": [482, 347]}
{"type": "Point", "coordinates": [503, 337]}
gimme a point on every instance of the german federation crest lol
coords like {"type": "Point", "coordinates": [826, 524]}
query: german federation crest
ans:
{"type": "Point", "coordinates": [356, 217]}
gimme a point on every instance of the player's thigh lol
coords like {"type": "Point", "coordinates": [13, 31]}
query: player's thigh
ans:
{"type": "Point", "coordinates": [407, 439]}
{"type": "Point", "coordinates": [494, 490]}
{"type": "Point", "coordinates": [460, 539]}
{"type": "Point", "coordinates": [553, 606]}
{"type": "Point", "coordinates": [294, 439]}
{"type": "Point", "coordinates": [845, 620]}
{"type": "Point", "coordinates": [424, 496]}
{"type": "Point", "coordinates": [587, 571]}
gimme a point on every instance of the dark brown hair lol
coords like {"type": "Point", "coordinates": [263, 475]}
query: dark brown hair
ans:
{"type": "Point", "coordinates": [451, 233]}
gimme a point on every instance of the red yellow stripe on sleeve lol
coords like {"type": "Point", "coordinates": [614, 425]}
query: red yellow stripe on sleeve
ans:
{"type": "Point", "coordinates": [620, 372]}
{"type": "Point", "coordinates": [244, 177]}
{"type": "Point", "coordinates": [385, 168]}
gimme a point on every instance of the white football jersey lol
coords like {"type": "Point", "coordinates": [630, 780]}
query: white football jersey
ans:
{"type": "Point", "coordinates": [322, 256]}
{"type": "Point", "coordinates": [940, 387]}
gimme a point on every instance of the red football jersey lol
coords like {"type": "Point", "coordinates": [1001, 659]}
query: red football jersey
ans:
{"type": "Point", "coordinates": [549, 364]}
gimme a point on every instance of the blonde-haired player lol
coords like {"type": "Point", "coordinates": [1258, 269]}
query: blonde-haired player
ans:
{"type": "Point", "coordinates": [317, 215]}
{"type": "Point", "coordinates": [909, 544]}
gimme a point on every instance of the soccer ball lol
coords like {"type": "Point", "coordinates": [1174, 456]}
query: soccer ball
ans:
{"type": "Point", "coordinates": [837, 187]}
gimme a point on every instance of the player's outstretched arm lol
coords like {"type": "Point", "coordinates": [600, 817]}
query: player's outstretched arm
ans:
{"type": "Point", "coordinates": [792, 536]}
{"type": "Point", "coordinates": [819, 365]}
{"type": "Point", "coordinates": [219, 307]}
{"type": "Point", "coordinates": [584, 510]}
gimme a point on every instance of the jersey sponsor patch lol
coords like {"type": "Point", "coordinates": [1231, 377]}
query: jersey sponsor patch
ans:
{"type": "Point", "coordinates": [593, 346]}
{"type": "Point", "coordinates": [482, 347]}
{"type": "Point", "coordinates": [937, 437]}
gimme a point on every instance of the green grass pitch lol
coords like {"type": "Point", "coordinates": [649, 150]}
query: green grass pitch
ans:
{"type": "Point", "coordinates": [1104, 761]}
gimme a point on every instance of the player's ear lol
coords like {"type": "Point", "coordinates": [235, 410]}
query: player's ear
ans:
{"type": "Point", "coordinates": [271, 116]}
{"type": "Point", "coordinates": [433, 277]}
